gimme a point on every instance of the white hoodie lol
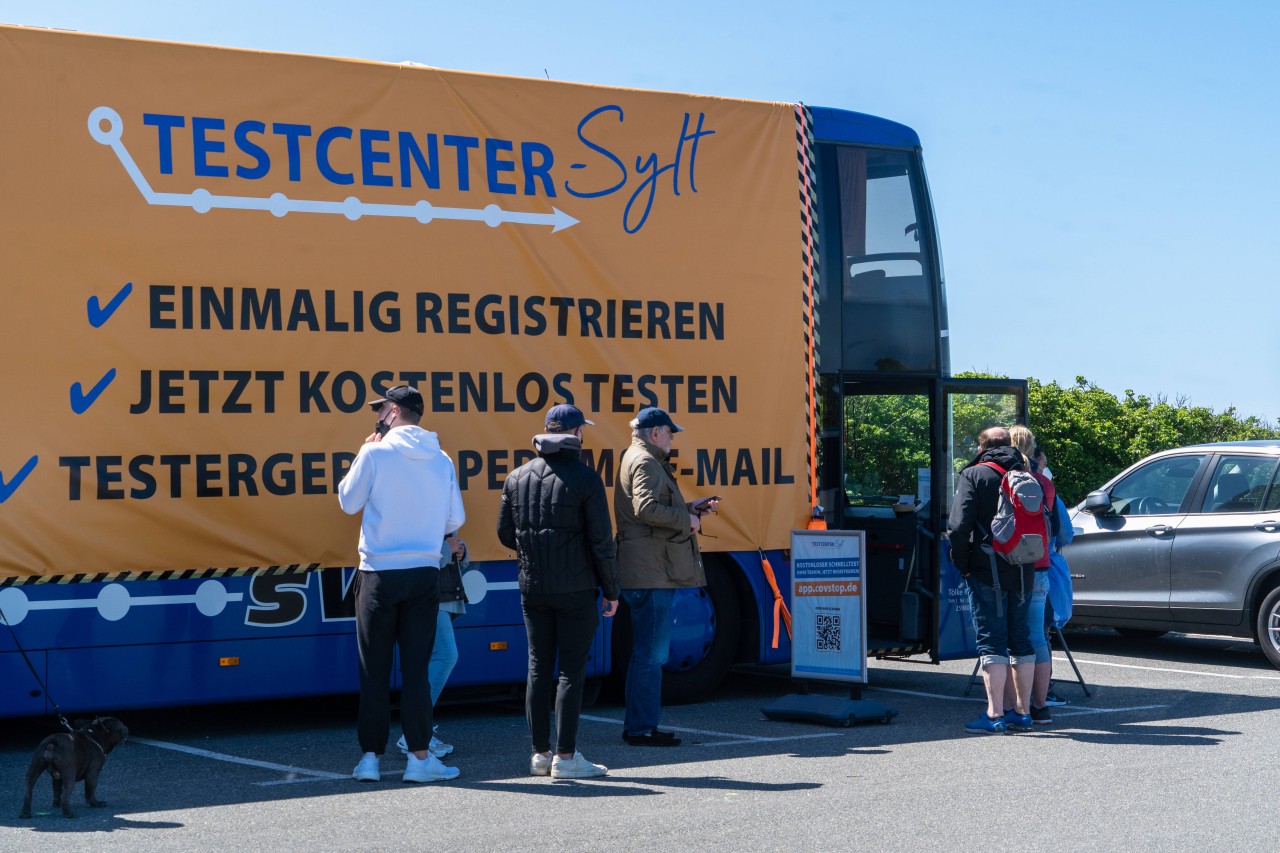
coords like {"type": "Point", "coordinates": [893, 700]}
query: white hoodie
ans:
{"type": "Point", "coordinates": [408, 489]}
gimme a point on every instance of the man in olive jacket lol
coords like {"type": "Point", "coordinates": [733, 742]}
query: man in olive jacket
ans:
{"type": "Point", "coordinates": [555, 517]}
{"type": "Point", "coordinates": [657, 554]}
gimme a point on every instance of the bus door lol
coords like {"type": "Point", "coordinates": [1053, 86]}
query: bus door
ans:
{"type": "Point", "coordinates": [885, 476]}
{"type": "Point", "coordinates": [963, 408]}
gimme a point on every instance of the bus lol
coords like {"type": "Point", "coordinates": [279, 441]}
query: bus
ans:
{"type": "Point", "coordinates": [214, 259]}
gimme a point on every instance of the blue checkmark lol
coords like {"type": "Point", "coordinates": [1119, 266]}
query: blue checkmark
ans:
{"type": "Point", "coordinates": [80, 401]}
{"type": "Point", "coordinates": [99, 315]}
{"type": "Point", "coordinates": [7, 489]}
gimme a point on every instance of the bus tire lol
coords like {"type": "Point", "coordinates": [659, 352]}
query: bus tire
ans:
{"type": "Point", "coordinates": [697, 682]}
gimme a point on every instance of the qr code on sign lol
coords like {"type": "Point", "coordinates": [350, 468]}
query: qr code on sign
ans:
{"type": "Point", "coordinates": [828, 631]}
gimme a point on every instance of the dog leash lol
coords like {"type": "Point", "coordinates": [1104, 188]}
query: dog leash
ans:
{"type": "Point", "coordinates": [39, 681]}
{"type": "Point", "coordinates": [85, 733]}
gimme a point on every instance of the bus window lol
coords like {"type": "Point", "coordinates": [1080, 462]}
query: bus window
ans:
{"type": "Point", "coordinates": [886, 452]}
{"type": "Point", "coordinates": [888, 315]}
{"type": "Point", "coordinates": [969, 410]}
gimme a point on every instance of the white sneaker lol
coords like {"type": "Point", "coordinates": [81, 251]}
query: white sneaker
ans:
{"type": "Point", "coordinates": [540, 765]}
{"type": "Point", "coordinates": [428, 769]}
{"type": "Point", "coordinates": [575, 768]}
{"type": "Point", "coordinates": [367, 770]}
{"type": "Point", "coordinates": [437, 747]}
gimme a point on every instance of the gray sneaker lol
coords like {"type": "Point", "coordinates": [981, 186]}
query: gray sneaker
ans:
{"type": "Point", "coordinates": [1053, 700]}
{"type": "Point", "coordinates": [367, 770]}
{"type": "Point", "coordinates": [575, 768]}
{"type": "Point", "coordinates": [540, 765]}
{"type": "Point", "coordinates": [428, 769]}
{"type": "Point", "coordinates": [437, 747]}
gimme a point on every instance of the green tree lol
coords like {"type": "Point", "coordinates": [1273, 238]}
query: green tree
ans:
{"type": "Point", "coordinates": [1091, 434]}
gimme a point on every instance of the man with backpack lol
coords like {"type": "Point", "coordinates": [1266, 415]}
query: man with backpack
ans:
{"type": "Point", "coordinates": [994, 545]}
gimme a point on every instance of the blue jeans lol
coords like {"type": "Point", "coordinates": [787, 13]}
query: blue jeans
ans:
{"type": "Point", "coordinates": [1035, 618]}
{"type": "Point", "coordinates": [651, 644]}
{"type": "Point", "coordinates": [1005, 637]}
{"type": "Point", "coordinates": [443, 656]}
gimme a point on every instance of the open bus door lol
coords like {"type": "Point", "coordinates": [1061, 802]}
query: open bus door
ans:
{"type": "Point", "coordinates": [903, 442]}
{"type": "Point", "coordinates": [965, 407]}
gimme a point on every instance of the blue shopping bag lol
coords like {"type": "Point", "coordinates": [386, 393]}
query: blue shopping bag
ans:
{"type": "Point", "coordinates": [1059, 588]}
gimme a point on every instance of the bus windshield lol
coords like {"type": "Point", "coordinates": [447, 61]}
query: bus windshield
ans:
{"type": "Point", "coordinates": [887, 287]}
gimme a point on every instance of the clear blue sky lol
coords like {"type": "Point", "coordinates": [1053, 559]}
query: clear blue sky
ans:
{"type": "Point", "coordinates": [1108, 168]}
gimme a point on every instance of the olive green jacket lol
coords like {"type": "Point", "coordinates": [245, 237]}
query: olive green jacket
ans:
{"type": "Point", "coordinates": [656, 549]}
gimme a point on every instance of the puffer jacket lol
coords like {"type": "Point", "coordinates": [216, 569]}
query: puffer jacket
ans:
{"type": "Point", "coordinates": [555, 517]}
{"type": "Point", "coordinates": [969, 526]}
{"type": "Point", "coordinates": [656, 548]}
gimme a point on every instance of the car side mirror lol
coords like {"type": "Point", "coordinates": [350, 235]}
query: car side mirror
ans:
{"type": "Point", "coordinates": [1097, 503]}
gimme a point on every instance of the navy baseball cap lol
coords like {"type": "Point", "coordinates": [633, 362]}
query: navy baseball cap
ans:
{"type": "Point", "coordinates": [569, 417]}
{"type": "Point", "coordinates": [404, 396]}
{"type": "Point", "coordinates": [654, 417]}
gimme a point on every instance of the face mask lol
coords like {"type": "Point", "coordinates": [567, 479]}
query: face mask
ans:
{"type": "Point", "coordinates": [1048, 475]}
{"type": "Point", "coordinates": [382, 427]}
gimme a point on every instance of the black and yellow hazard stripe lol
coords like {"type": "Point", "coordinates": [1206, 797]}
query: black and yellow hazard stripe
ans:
{"type": "Point", "coordinates": [809, 292]}
{"type": "Point", "coordinates": [166, 575]}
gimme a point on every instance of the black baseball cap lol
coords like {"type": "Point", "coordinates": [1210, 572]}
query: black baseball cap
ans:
{"type": "Point", "coordinates": [569, 417]}
{"type": "Point", "coordinates": [654, 417]}
{"type": "Point", "coordinates": [404, 396]}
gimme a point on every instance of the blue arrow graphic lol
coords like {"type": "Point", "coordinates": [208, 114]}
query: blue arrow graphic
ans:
{"type": "Point", "coordinates": [7, 489]}
{"type": "Point", "coordinates": [80, 401]}
{"type": "Point", "coordinates": [278, 204]}
{"type": "Point", "coordinates": [99, 315]}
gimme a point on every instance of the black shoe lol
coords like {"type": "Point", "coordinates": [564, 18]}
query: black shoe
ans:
{"type": "Point", "coordinates": [655, 738]}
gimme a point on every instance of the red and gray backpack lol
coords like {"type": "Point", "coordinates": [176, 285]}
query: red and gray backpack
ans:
{"type": "Point", "coordinates": [1018, 530]}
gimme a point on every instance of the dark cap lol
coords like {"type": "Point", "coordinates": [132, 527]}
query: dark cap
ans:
{"type": "Point", "coordinates": [404, 396]}
{"type": "Point", "coordinates": [654, 417]}
{"type": "Point", "coordinates": [568, 417]}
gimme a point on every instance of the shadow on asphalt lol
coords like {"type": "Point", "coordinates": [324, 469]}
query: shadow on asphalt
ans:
{"type": "Point", "coordinates": [628, 786]}
{"type": "Point", "coordinates": [318, 734]}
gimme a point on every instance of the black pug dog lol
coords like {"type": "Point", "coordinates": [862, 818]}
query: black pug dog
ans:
{"type": "Point", "coordinates": [72, 756]}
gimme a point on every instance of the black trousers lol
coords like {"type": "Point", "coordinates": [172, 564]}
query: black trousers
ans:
{"type": "Point", "coordinates": [563, 625]}
{"type": "Point", "coordinates": [395, 607]}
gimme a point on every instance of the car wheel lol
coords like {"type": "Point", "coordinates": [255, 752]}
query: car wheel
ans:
{"type": "Point", "coordinates": [1140, 633]}
{"type": "Point", "coordinates": [1268, 626]}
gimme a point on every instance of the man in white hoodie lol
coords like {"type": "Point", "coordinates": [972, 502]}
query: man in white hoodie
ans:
{"type": "Point", "coordinates": [408, 489]}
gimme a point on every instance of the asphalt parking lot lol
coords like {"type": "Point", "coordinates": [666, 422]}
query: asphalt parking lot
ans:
{"type": "Point", "coordinates": [1175, 749]}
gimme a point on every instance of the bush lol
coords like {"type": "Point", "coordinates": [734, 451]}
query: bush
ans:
{"type": "Point", "coordinates": [1091, 434]}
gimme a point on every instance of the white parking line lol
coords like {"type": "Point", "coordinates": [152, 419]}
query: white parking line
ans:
{"type": "Point", "coordinates": [750, 739]}
{"type": "Point", "coordinates": [311, 775]}
{"type": "Point", "coordinates": [981, 699]}
{"type": "Point", "coordinates": [1063, 659]}
{"type": "Point", "coordinates": [731, 738]}
{"type": "Point", "coordinates": [1076, 711]}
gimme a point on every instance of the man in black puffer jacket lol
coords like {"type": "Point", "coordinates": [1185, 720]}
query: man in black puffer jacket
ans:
{"type": "Point", "coordinates": [555, 517]}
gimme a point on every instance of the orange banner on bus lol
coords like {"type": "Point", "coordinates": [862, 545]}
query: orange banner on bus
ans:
{"type": "Point", "coordinates": [214, 259]}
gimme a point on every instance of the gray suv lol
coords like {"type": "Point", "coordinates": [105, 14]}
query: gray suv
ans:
{"type": "Point", "coordinates": [1185, 540]}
